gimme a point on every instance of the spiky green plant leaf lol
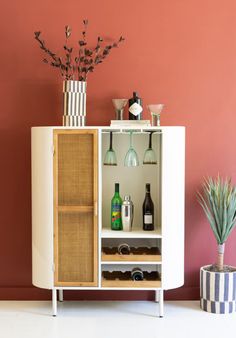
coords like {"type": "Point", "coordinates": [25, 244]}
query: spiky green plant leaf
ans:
{"type": "Point", "coordinates": [218, 200]}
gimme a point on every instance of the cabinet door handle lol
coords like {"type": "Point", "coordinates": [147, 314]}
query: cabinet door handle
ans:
{"type": "Point", "coordinates": [95, 208]}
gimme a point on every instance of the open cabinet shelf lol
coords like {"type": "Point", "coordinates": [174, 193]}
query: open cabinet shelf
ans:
{"type": "Point", "coordinates": [136, 255]}
{"type": "Point", "coordinates": [130, 258]}
{"type": "Point", "coordinates": [130, 284]}
{"type": "Point", "coordinates": [123, 279]}
{"type": "Point", "coordinates": [108, 233]}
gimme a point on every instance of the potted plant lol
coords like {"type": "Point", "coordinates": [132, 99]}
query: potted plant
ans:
{"type": "Point", "coordinates": [218, 281]}
{"type": "Point", "coordinates": [74, 68]}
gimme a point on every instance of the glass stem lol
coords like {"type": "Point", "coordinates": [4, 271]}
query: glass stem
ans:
{"type": "Point", "coordinates": [150, 140]}
{"type": "Point", "coordinates": [110, 140]}
{"type": "Point", "coordinates": [131, 143]}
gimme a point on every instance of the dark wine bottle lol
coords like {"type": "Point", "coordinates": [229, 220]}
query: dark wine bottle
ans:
{"type": "Point", "coordinates": [148, 211]}
{"type": "Point", "coordinates": [135, 107]}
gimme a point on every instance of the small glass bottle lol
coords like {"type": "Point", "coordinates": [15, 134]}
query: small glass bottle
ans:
{"type": "Point", "coordinates": [116, 204]}
{"type": "Point", "coordinates": [135, 107]}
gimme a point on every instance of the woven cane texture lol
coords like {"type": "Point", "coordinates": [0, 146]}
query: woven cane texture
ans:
{"type": "Point", "coordinates": [75, 169]}
{"type": "Point", "coordinates": [75, 247]}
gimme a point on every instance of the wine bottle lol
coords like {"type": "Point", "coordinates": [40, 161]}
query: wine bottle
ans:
{"type": "Point", "coordinates": [135, 107]}
{"type": "Point", "coordinates": [116, 203]}
{"type": "Point", "coordinates": [137, 274]}
{"type": "Point", "coordinates": [148, 211]}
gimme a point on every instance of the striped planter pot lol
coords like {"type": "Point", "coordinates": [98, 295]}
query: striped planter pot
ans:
{"type": "Point", "coordinates": [74, 103]}
{"type": "Point", "coordinates": [217, 291]}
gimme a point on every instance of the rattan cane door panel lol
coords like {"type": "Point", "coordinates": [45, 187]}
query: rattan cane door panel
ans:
{"type": "Point", "coordinates": [75, 169]}
{"type": "Point", "coordinates": [75, 248]}
{"type": "Point", "coordinates": [75, 208]}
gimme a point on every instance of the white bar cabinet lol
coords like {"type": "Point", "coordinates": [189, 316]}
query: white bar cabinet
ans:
{"type": "Point", "coordinates": [71, 196]}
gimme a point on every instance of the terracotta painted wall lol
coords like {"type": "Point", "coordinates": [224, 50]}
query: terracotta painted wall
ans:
{"type": "Point", "coordinates": [179, 52]}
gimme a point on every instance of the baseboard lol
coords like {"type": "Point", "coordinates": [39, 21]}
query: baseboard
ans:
{"type": "Point", "coordinates": [33, 293]}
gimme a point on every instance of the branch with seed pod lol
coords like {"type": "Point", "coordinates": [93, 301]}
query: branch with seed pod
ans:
{"type": "Point", "coordinates": [102, 53]}
{"type": "Point", "coordinates": [92, 58]}
{"type": "Point", "coordinates": [56, 60]}
{"type": "Point", "coordinates": [69, 66]}
{"type": "Point", "coordinates": [84, 62]}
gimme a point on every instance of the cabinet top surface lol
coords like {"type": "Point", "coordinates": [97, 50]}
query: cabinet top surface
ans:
{"type": "Point", "coordinates": [107, 128]}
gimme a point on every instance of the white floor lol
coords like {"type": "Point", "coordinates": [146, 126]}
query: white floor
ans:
{"type": "Point", "coordinates": [111, 320]}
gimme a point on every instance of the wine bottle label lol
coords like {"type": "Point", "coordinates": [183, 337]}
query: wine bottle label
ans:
{"type": "Point", "coordinates": [116, 213]}
{"type": "Point", "coordinates": [148, 219]}
{"type": "Point", "coordinates": [135, 109]}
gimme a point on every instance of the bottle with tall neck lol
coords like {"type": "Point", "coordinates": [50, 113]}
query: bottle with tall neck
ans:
{"type": "Point", "coordinates": [135, 107]}
{"type": "Point", "coordinates": [148, 211]}
{"type": "Point", "coordinates": [116, 204]}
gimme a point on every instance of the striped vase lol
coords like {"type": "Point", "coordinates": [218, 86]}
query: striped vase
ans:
{"type": "Point", "coordinates": [217, 291]}
{"type": "Point", "coordinates": [74, 103]}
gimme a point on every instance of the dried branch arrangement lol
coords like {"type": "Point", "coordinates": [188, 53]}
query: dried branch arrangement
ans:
{"type": "Point", "coordinates": [77, 65]}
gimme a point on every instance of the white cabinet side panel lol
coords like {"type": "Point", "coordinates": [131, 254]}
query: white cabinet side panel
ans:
{"type": "Point", "coordinates": [42, 206]}
{"type": "Point", "coordinates": [173, 176]}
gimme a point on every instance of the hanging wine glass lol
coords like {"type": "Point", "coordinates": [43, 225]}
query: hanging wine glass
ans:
{"type": "Point", "coordinates": [110, 157]}
{"type": "Point", "coordinates": [131, 157]}
{"type": "Point", "coordinates": [150, 155]}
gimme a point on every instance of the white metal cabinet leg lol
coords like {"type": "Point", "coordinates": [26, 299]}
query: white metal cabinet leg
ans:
{"type": "Point", "coordinates": [161, 303]}
{"type": "Point", "coordinates": [157, 296]}
{"type": "Point", "coordinates": [60, 295]}
{"type": "Point", "coordinates": [54, 302]}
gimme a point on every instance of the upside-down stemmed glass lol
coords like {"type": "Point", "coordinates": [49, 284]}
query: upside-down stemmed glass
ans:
{"type": "Point", "coordinates": [150, 155]}
{"type": "Point", "coordinates": [131, 157]}
{"type": "Point", "coordinates": [110, 157]}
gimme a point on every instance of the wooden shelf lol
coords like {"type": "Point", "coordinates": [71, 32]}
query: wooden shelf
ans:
{"type": "Point", "coordinates": [107, 233]}
{"type": "Point", "coordinates": [130, 284]}
{"type": "Point", "coordinates": [131, 258]}
{"type": "Point", "coordinates": [141, 254]}
{"type": "Point", "coordinates": [131, 262]}
{"type": "Point", "coordinates": [75, 208]}
{"type": "Point", "coordinates": [118, 279]}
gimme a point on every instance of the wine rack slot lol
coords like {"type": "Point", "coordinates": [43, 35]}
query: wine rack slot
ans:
{"type": "Point", "coordinates": [117, 276]}
{"type": "Point", "coordinates": [136, 250]}
{"type": "Point", "coordinates": [110, 254]}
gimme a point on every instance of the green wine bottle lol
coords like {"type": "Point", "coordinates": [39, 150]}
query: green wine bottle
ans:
{"type": "Point", "coordinates": [116, 203]}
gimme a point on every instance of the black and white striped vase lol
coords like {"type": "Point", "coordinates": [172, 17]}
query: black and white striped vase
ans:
{"type": "Point", "coordinates": [217, 291]}
{"type": "Point", "coordinates": [74, 103]}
